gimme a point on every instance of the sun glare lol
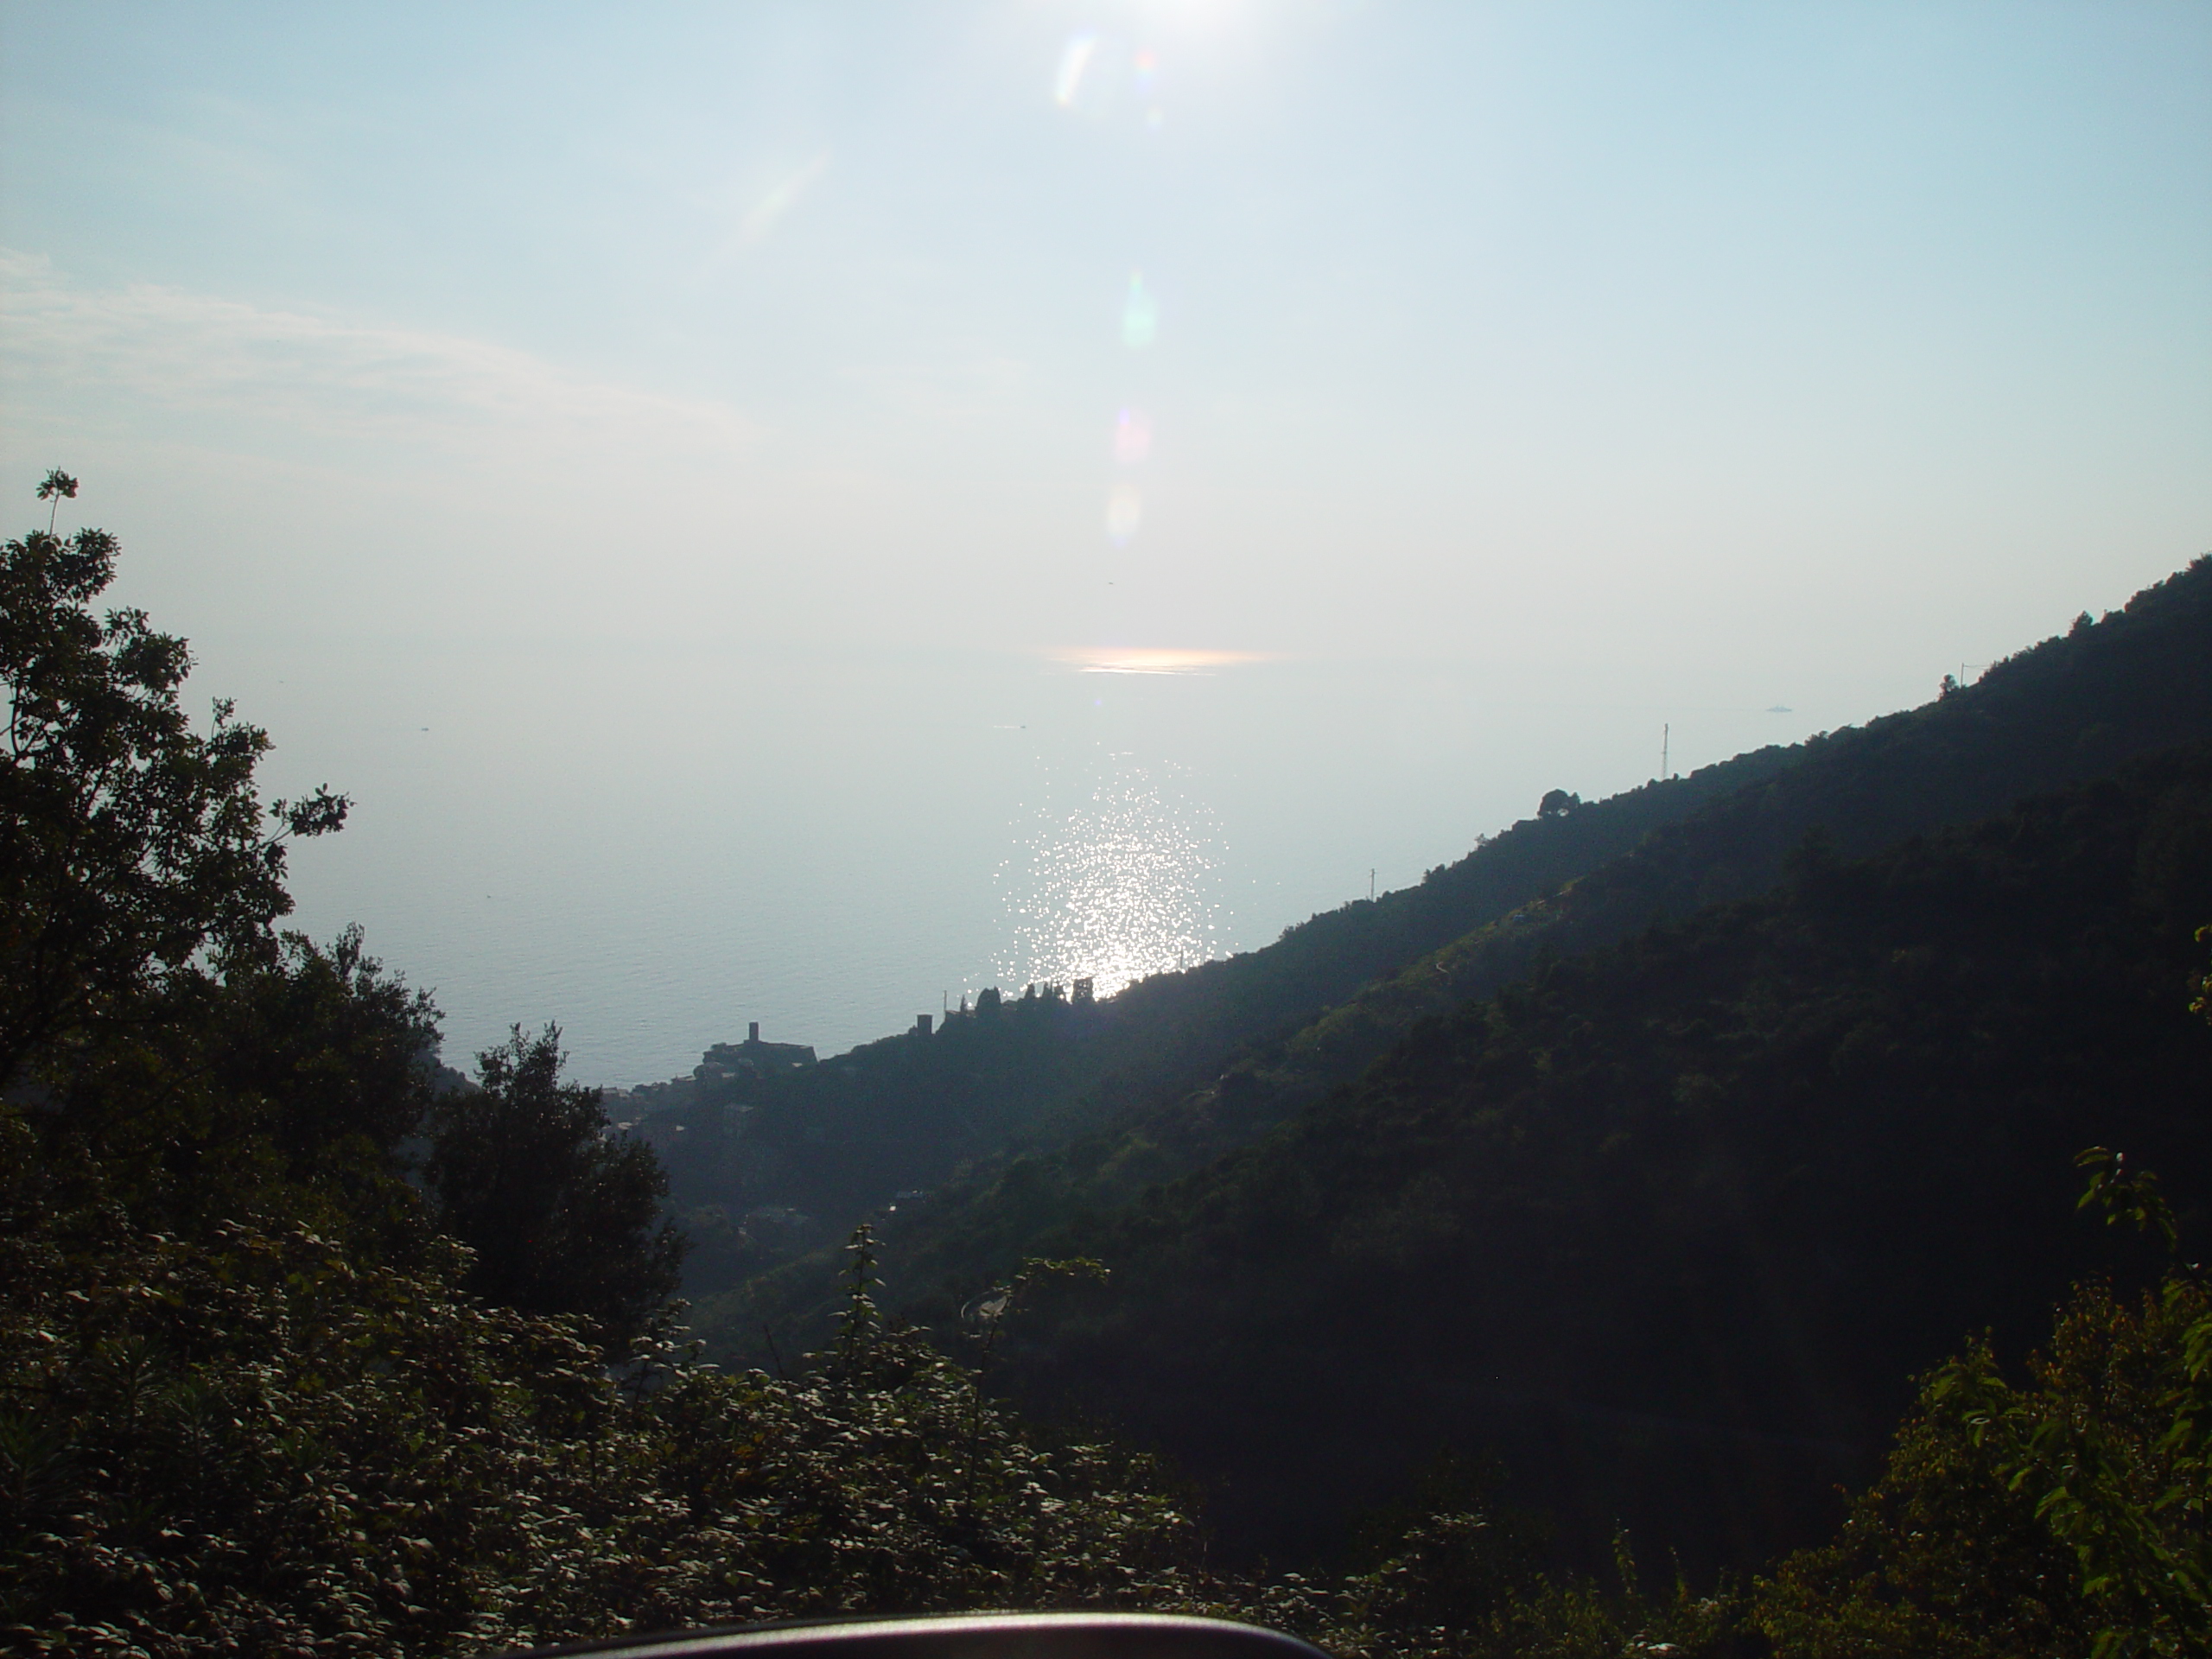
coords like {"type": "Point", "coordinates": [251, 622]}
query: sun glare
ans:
{"type": "Point", "coordinates": [1150, 659]}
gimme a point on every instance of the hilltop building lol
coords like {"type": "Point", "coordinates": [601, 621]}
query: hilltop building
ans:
{"type": "Point", "coordinates": [758, 1058]}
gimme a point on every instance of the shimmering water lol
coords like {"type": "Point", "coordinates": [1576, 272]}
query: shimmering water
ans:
{"type": "Point", "coordinates": [1115, 884]}
{"type": "Point", "coordinates": [656, 848]}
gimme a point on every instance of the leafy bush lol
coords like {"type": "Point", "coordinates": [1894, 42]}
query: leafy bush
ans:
{"type": "Point", "coordinates": [254, 1444]}
{"type": "Point", "coordinates": [563, 1217]}
{"type": "Point", "coordinates": [2063, 1516]}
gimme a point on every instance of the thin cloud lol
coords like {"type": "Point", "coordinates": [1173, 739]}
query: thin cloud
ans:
{"type": "Point", "coordinates": [165, 349]}
{"type": "Point", "coordinates": [780, 201]}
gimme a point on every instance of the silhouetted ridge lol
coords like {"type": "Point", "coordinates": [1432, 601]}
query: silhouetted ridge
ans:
{"type": "Point", "coordinates": [1673, 1225]}
{"type": "Point", "coordinates": [1185, 1067]}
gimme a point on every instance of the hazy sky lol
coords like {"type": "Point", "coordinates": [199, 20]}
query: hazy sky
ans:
{"type": "Point", "coordinates": [675, 465]}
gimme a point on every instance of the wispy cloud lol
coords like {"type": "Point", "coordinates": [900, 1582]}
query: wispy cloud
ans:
{"type": "Point", "coordinates": [170, 352]}
{"type": "Point", "coordinates": [786, 195]}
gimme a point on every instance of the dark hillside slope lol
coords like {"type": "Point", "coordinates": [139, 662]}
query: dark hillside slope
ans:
{"type": "Point", "coordinates": [2068, 708]}
{"type": "Point", "coordinates": [839, 1139]}
{"type": "Point", "coordinates": [1669, 1226]}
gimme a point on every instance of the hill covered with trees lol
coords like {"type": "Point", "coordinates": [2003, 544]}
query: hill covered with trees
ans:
{"type": "Point", "coordinates": [1669, 1224]}
{"type": "Point", "coordinates": [842, 1142]}
{"type": "Point", "coordinates": [839, 1140]}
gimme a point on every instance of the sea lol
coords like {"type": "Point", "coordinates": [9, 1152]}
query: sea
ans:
{"type": "Point", "coordinates": [654, 850]}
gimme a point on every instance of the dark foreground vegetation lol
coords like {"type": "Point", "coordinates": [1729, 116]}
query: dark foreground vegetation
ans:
{"type": "Point", "coordinates": [304, 1349]}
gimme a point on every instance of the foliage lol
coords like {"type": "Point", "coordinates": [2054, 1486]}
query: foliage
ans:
{"type": "Point", "coordinates": [183, 1059]}
{"type": "Point", "coordinates": [256, 1445]}
{"type": "Point", "coordinates": [133, 850]}
{"type": "Point", "coordinates": [560, 1212]}
{"type": "Point", "coordinates": [1939, 1557]}
{"type": "Point", "coordinates": [2063, 1516]}
{"type": "Point", "coordinates": [2109, 1446]}
{"type": "Point", "coordinates": [57, 486]}
{"type": "Point", "coordinates": [1414, 1607]}
{"type": "Point", "coordinates": [178, 1055]}
{"type": "Point", "coordinates": [2126, 1194]}
{"type": "Point", "coordinates": [2112, 1443]}
{"type": "Point", "coordinates": [2066, 1517]}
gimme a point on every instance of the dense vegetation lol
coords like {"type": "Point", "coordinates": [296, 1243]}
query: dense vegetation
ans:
{"type": "Point", "coordinates": [303, 1350]}
{"type": "Point", "coordinates": [1573, 878]}
{"type": "Point", "coordinates": [1669, 1224]}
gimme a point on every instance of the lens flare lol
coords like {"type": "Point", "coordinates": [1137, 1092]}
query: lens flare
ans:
{"type": "Point", "coordinates": [1153, 659]}
{"type": "Point", "coordinates": [1132, 437]}
{"type": "Point", "coordinates": [1075, 58]}
{"type": "Point", "coordinates": [1112, 886]}
{"type": "Point", "coordinates": [780, 201]}
{"type": "Point", "coordinates": [1145, 82]}
{"type": "Point", "coordinates": [1140, 315]}
{"type": "Point", "coordinates": [1124, 513]}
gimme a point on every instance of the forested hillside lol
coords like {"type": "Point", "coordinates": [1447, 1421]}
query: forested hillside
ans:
{"type": "Point", "coordinates": [2068, 708]}
{"type": "Point", "coordinates": [1671, 1223]}
{"type": "Point", "coordinates": [839, 1140]}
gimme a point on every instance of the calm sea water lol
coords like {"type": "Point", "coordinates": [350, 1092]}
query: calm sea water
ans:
{"type": "Point", "coordinates": [655, 849]}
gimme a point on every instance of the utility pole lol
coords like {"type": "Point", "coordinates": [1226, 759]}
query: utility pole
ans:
{"type": "Point", "coordinates": [1370, 884]}
{"type": "Point", "coordinates": [1666, 737]}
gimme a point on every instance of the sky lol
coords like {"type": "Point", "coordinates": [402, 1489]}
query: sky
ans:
{"type": "Point", "coordinates": [797, 512]}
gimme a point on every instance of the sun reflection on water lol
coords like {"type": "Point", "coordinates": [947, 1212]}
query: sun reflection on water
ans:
{"type": "Point", "coordinates": [1111, 886]}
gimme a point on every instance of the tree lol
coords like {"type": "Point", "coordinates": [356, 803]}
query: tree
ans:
{"type": "Point", "coordinates": [135, 852]}
{"type": "Point", "coordinates": [56, 486]}
{"type": "Point", "coordinates": [323, 1065]}
{"type": "Point", "coordinates": [559, 1211]}
{"type": "Point", "coordinates": [2065, 1515]}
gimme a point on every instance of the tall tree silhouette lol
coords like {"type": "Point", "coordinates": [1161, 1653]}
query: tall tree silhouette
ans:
{"type": "Point", "coordinates": [560, 1212]}
{"type": "Point", "coordinates": [135, 852]}
{"type": "Point", "coordinates": [55, 487]}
